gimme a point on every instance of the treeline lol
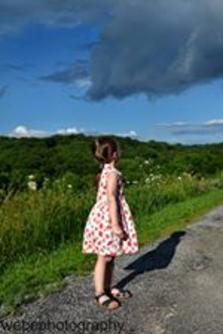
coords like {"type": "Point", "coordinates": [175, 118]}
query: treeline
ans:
{"type": "Point", "coordinates": [54, 156]}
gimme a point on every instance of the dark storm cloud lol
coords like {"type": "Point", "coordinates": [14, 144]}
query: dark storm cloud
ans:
{"type": "Point", "coordinates": [158, 47]}
{"type": "Point", "coordinates": [3, 91]}
{"type": "Point", "coordinates": [14, 14]}
{"type": "Point", "coordinates": [155, 47]}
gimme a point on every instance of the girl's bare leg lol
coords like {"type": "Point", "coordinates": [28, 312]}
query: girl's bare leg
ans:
{"type": "Point", "coordinates": [100, 277]}
{"type": "Point", "coordinates": [99, 274]}
{"type": "Point", "coordinates": [109, 273]}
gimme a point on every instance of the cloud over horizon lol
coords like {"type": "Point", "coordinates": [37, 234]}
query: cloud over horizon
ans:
{"type": "Point", "coordinates": [145, 46]}
{"type": "Point", "coordinates": [22, 131]}
{"type": "Point", "coordinates": [210, 127]}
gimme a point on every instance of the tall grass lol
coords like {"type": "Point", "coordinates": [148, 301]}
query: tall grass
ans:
{"type": "Point", "coordinates": [158, 191]}
{"type": "Point", "coordinates": [40, 220]}
{"type": "Point", "coordinates": [35, 221]}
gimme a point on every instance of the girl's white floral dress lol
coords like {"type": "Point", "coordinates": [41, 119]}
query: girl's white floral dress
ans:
{"type": "Point", "coordinates": [98, 236]}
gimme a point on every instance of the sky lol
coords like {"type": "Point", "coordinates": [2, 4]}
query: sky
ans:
{"type": "Point", "coordinates": [140, 68]}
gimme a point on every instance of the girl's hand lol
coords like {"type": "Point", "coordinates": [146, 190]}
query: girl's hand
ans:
{"type": "Point", "coordinates": [119, 232]}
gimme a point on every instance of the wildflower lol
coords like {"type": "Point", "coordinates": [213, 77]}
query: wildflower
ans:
{"type": "Point", "coordinates": [32, 185]}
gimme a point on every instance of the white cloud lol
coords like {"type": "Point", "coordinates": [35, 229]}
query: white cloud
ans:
{"type": "Point", "coordinates": [83, 83]}
{"type": "Point", "coordinates": [69, 131]}
{"type": "Point", "coordinates": [174, 124]}
{"type": "Point", "coordinates": [23, 131]}
{"type": "Point", "coordinates": [210, 130]}
{"type": "Point", "coordinates": [131, 133]}
{"type": "Point", "coordinates": [214, 122]}
{"type": "Point", "coordinates": [210, 123]}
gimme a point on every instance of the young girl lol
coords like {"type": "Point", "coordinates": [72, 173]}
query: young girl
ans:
{"type": "Point", "coordinates": [110, 229]}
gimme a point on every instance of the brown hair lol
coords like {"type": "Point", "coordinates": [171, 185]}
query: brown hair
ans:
{"type": "Point", "coordinates": [103, 148]}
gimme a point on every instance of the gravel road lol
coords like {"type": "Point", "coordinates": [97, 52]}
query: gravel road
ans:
{"type": "Point", "coordinates": [177, 284]}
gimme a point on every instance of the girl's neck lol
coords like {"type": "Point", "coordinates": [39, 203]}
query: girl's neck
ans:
{"type": "Point", "coordinates": [112, 163]}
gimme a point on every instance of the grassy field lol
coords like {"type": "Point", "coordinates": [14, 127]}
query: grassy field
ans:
{"type": "Point", "coordinates": [41, 231]}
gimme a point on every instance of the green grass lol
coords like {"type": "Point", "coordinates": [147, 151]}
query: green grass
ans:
{"type": "Point", "coordinates": [41, 221]}
{"type": "Point", "coordinates": [177, 216]}
{"type": "Point", "coordinates": [39, 274]}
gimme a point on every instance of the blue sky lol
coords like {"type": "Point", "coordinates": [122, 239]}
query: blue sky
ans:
{"type": "Point", "coordinates": [47, 71]}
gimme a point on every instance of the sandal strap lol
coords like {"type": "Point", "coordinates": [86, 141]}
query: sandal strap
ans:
{"type": "Point", "coordinates": [120, 291]}
{"type": "Point", "coordinates": [100, 294]}
{"type": "Point", "coordinates": [106, 301]}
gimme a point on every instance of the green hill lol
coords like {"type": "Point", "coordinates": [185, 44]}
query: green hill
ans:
{"type": "Point", "coordinates": [53, 156]}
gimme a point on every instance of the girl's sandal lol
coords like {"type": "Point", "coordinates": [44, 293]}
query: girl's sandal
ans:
{"type": "Point", "coordinates": [120, 293]}
{"type": "Point", "coordinates": [106, 301]}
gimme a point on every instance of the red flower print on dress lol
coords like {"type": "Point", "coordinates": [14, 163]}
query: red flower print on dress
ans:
{"type": "Point", "coordinates": [98, 236]}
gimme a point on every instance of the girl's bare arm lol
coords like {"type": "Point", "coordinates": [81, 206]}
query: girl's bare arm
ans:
{"type": "Point", "coordinates": [112, 200]}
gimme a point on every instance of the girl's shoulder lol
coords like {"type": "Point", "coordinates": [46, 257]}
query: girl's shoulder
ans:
{"type": "Point", "coordinates": [113, 169]}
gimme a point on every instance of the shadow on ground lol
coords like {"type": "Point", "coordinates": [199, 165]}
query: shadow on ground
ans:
{"type": "Point", "coordinates": [158, 258]}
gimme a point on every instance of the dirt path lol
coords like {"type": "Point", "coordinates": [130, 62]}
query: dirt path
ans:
{"type": "Point", "coordinates": [177, 284]}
